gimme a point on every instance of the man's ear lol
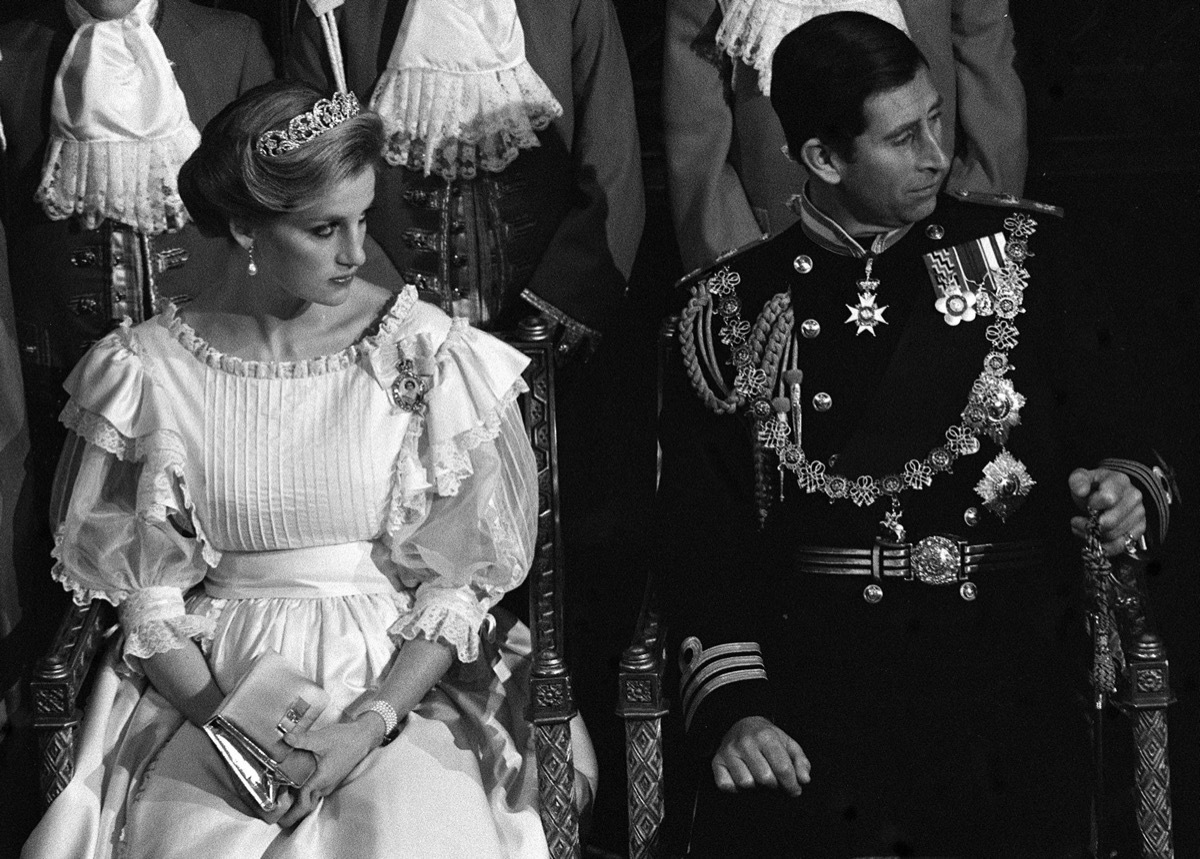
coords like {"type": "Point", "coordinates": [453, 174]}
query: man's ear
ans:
{"type": "Point", "coordinates": [821, 161]}
{"type": "Point", "coordinates": [242, 233]}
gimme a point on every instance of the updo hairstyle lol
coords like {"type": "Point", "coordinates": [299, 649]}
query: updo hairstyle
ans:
{"type": "Point", "coordinates": [824, 71]}
{"type": "Point", "coordinates": [227, 179]}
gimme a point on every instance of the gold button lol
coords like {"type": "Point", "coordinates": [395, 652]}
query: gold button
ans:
{"type": "Point", "coordinates": [971, 516]}
{"type": "Point", "coordinates": [935, 231]}
{"type": "Point", "coordinates": [822, 402]}
{"type": "Point", "coordinates": [810, 328]}
{"type": "Point", "coordinates": [968, 591]}
{"type": "Point", "coordinates": [803, 264]}
{"type": "Point", "coordinates": [873, 593]}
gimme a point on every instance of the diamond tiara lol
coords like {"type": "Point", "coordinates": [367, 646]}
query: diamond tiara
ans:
{"type": "Point", "coordinates": [325, 114]}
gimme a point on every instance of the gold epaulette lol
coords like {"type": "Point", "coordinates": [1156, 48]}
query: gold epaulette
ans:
{"type": "Point", "coordinates": [694, 275]}
{"type": "Point", "coordinates": [1010, 201]}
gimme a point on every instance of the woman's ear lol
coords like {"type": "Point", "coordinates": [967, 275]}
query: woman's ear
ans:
{"type": "Point", "coordinates": [242, 233]}
{"type": "Point", "coordinates": [821, 161]}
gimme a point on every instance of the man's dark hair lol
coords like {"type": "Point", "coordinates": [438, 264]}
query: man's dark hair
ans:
{"type": "Point", "coordinates": [824, 71]}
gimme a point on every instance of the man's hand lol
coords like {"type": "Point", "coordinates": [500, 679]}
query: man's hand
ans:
{"type": "Point", "coordinates": [756, 753]}
{"type": "Point", "coordinates": [1119, 502]}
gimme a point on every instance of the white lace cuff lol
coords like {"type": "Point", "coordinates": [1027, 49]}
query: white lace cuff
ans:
{"type": "Point", "coordinates": [455, 123]}
{"type": "Point", "coordinates": [131, 181]}
{"type": "Point", "coordinates": [751, 30]}
{"type": "Point", "coordinates": [154, 620]}
{"type": "Point", "coordinates": [452, 616]}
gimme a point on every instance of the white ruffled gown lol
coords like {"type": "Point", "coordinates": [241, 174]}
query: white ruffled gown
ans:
{"type": "Point", "coordinates": [307, 508]}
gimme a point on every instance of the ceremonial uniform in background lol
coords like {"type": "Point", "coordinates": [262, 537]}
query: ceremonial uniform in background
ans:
{"type": "Point", "coordinates": [56, 268]}
{"type": "Point", "coordinates": [60, 272]}
{"type": "Point", "coordinates": [926, 652]}
{"type": "Point", "coordinates": [62, 275]}
{"type": "Point", "coordinates": [728, 177]}
{"type": "Point", "coordinates": [559, 226]}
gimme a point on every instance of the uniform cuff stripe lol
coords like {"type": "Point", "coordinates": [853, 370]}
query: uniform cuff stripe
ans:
{"type": "Point", "coordinates": [716, 683]}
{"type": "Point", "coordinates": [696, 682]}
{"type": "Point", "coordinates": [705, 670]}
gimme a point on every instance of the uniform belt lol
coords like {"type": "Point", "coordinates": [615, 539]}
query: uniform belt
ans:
{"type": "Point", "coordinates": [935, 560]}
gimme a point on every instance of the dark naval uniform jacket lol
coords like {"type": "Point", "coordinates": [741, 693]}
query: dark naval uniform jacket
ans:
{"type": "Point", "coordinates": [866, 535]}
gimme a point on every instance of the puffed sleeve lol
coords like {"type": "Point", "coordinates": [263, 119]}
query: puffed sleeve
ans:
{"type": "Point", "coordinates": [469, 523]}
{"type": "Point", "coordinates": [125, 534]}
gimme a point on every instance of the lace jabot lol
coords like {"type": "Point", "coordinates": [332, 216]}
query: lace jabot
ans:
{"type": "Point", "coordinates": [751, 30]}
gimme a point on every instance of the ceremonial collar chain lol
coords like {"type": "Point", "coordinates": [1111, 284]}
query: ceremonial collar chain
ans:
{"type": "Point", "coordinates": [326, 114]}
{"type": "Point", "coordinates": [992, 410]}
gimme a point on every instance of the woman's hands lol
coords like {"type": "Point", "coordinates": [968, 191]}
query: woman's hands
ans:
{"type": "Point", "coordinates": [339, 749]}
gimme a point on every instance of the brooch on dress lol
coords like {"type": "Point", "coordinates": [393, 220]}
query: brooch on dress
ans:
{"type": "Point", "coordinates": [409, 388]}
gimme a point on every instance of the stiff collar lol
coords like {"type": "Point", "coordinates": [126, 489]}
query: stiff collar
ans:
{"type": "Point", "coordinates": [828, 233]}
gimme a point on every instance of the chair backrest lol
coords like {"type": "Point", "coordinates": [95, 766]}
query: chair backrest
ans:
{"type": "Point", "coordinates": [552, 704]}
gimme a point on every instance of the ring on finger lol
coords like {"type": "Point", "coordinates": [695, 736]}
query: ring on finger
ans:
{"type": "Point", "coordinates": [1132, 544]}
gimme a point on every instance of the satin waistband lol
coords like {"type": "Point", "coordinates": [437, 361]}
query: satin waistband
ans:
{"type": "Point", "coordinates": [345, 569]}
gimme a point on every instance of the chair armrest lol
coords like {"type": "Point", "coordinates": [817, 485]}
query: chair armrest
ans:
{"type": "Point", "coordinates": [57, 685]}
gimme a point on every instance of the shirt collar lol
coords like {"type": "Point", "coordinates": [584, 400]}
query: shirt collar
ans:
{"type": "Point", "coordinates": [828, 233]}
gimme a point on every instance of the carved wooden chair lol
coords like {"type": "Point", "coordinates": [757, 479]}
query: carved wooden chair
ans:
{"type": "Point", "coordinates": [641, 702]}
{"type": "Point", "coordinates": [60, 682]}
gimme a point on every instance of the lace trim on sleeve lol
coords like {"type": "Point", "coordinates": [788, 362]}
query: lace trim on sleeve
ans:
{"type": "Point", "coordinates": [155, 621]}
{"type": "Point", "coordinates": [452, 460]}
{"type": "Point", "coordinates": [96, 429]}
{"type": "Point", "coordinates": [80, 594]}
{"type": "Point", "coordinates": [452, 616]}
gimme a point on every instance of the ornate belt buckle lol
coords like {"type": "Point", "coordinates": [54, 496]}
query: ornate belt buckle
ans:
{"type": "Point", "coordinates": [936, 560]}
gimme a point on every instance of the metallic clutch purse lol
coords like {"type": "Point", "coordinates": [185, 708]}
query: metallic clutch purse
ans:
{"type": "Point", "coordinates": [272, 699]}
